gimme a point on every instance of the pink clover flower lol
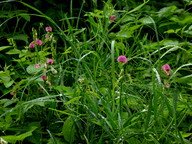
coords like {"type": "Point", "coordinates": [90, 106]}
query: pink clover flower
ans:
{"type": "Point", "coordinates": [48, 29]}
{"type": "Point", "coordinates": [122, 59]}
{"type": "Point", "coordinates": [50, 61]}
{"type": "Point", "coordinates": [38, 42]}
{"type": "Point", "coordinates": [166, 68]}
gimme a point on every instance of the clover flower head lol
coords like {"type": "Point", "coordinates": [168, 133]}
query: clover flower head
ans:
{"type": "Point", "coordinates": [31, 45]}
{"type": "Point", "coordinates": [112, 18]}
{"type": "Point", "coordinates": [122, 59]}
{"type": "Point", "coordinates": [38, 42]}
{"type": "Point", "coordinates": [44, 77]}
{"type": "Point", "coordinates": [50, 61]}
{"type": "Point", "coordinates": [48, 29]}
{"type": "Point", "coordinates": [37, 65]}
{"type": "Point", "coordinates": [166, 68]}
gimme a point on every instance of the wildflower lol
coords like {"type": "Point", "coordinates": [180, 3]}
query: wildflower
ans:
{"type": "Point", "coordinates": [44, 77]}
{"type": "Point", "coordinates": [166, 84]}
{"type": "Point", "coordinates": [54, 71]}
{"type": "Point", "coordinates": [48, 29]}
{"type": "Point", "coordinates": [31, 45]}
{"type": "Point", "coordinates": [167, 69]}
{"type": "Point", "coordinates": [38, 42]}
{"type": "Point", "coordinates": [37, 65]}
{"type": "Point", "coordinates": [50, 61]}
{"type": "Point", "coordinates": [122, 59]}
{"type": "Point", "coordinates": [112, 18]}
{"type": "Point", "coordinates": [81, 80]}
{"type": "Point", "coordinates": [12, 92]}
{"type": "Point", "coordinates": [48, 83]}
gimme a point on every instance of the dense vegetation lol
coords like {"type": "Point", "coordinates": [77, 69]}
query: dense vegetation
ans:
{"type": "Point", "coordinates": [96, 72]}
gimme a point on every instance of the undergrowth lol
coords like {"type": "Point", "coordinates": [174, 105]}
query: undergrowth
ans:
{"type": "Point", "coordinates": [115, 73]}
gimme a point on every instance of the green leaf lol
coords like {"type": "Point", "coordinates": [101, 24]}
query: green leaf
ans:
{"type": "Point", "coordinates": [14, 51]}
{"type": "Point", "coordinates": [133, 141]}
{"type": "Point", "coordinates": [24, 53]}
{"type": "Point", "coordinates": [8, 83]}
{"type": "Point", "coordinates": [69, 50]}
{"type": "Point", "coordinates": [8, 102]}
{"type": "Point", "coordinates": [63, 112]}
{"type": "Point", "coordinates": [189, 2]}
{"type": "Point", "coordinates": [79, 31]}
{"type": "Point", "coordinates": [65, 90]}
{"type": "Point", "coordinates": [25, 16]}
{"type": "Point", "coordinates": [186, 135]}
{"type": "Point", "coordinates": [127, 19]}
{"type": "Point", "coordinates": [5, 78]}
{"type": "Point", "coordinates": [185, 79]}
{"type": "Point", "coordinates": [31, 69]}
{"type": "Point", "coordinates": [146, 20]}
{"type": "Point", "coordinates": [127, 31]}
{"type": "Point", "coordinates": [167, 11]}
{"type": "Point", "coordinates": [73, 100]}
{"type": "Point", "coordinates": [4, 47]}
{"type": "Point", "coordinates": [14, 138]}
{"type": "Point", "coordinates": [170, 31]}
{"type": "Point", "coordinates": [188, 33]}
{"type": "Point", "coordinates": [125, 34]}
{"type": "Point", "coordinates": [167, 42]}
{"type": "Point", "coordinates": [182, 20]}
{"type": "Point", "coordinates": [23, 37]}
{"type": "Point", "coordinates": [69, 130]}
{"type": "Point", "coordinates": [57, 141]}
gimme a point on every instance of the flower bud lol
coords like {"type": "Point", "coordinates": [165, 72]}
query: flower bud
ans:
{"type": "Point", "coordinates": [48, 83]}
{"type": "Point", "coordinates": [31, 45]}
{"type": "Point", "coordinates": [45, 66]}
{"type": "Point", "coordinates": [54, 71]}
{"type": "Point", "coordinates": [44, 77]}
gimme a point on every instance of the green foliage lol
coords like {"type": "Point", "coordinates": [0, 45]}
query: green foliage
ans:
{"type": "Point", "coordinates": [13, 139]}
{"type": "Point", "coordinates": [70, 87]}
{"type": "Point", "coordinates": [69, 130]}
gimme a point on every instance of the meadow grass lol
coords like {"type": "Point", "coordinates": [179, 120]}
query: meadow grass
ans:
{"type": "Point", "coordinates": [88, 95]}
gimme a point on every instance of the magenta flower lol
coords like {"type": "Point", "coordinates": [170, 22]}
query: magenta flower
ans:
{"type": "Point", "coordinates": [112, 18]}
{"type": "Point", "coordinates": [167, 69]}
{"type": "Point", "coordinates": [122, 59]}
{"type": "Point", "coordinates": [31, 45]}
{"type": "Point", "coordinates": [38, 42]}
{"type": "Point", "coordinates": [48, 29]}
{"type": "Point", "coordinates": [50, 61]}
{"type": "Point", "coordinates": [37, 65]}
{"type": "Point", "coordinates": [44, 77]}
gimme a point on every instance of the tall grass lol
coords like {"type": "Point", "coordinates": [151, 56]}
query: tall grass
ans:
{"type": "Point", "coordinates": [93, 98]}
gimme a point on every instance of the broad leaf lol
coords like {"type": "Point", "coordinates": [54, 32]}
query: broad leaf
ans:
{"type": "Point", "coordinates": [69, 130]}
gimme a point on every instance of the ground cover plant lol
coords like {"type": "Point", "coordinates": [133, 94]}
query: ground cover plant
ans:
{"type": "Point", "coordinates": [96, 72]}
